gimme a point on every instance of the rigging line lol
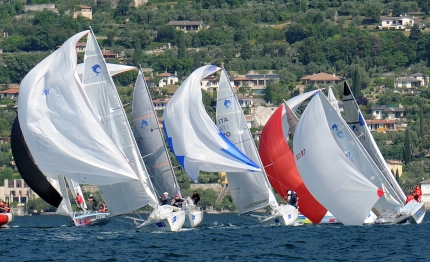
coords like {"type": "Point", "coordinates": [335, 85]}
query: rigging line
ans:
{"type": "Point", "coordinates": [123, 221]}
{"type": "Point", "coordinates": [242, 141]}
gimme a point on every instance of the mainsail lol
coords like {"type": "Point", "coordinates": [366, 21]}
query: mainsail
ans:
{"type": "Point", "coordinates": [105, 101]}
{"type": "Point", "coordinates": [150, 140]}
{"type": "Point", "coordinates": [61, 130]}
{"type": "Point", "coordinates": [356, 122]}
{"type": "Point", "coordinates": [193, 137]}
{"type": "Point", "coordinates": [333, 101]}
{"type": "Point", "coordinates": [327, 172]}
{"type": "Point", "coordinates": [278, 161]}
{"type": "Point", "coordinates": [249, 190]}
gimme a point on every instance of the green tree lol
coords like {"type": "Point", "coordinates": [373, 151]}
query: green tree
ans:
{"type": "Point", "coordinates": [415, 33]}
{"type": "Point", "coordinates": [181, 46]}
{"type": "Point", "coordinates": [137, 55]}
{"type": "Point", "coordinates": [397, 175]}
{"type": "Point", "coordinates": [6, 173]}
{"type": "Point", "coordinates": [123, 6]}
{"type": "Point", "coordinates": [407, 148]}
{"type": "Point", "coordinates": [356, 83]}
{"type": "Point", "coordinates": [421, 121]}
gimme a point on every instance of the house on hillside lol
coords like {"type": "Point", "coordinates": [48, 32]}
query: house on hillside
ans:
{"type": "Point", "coordinates": [256, 82]}
{"type": "Point", "coordinates": [395, 166]}
{"type": "Point", "coordinates": [11, 93]}
{"type": "Point", "coordinates": [83, 10]}
{"type": "Point", "coordinates": [382, 125]}
{"type": "Point", "coordinates": [396, 22]}
{"type": "Point", "coordinates": [15, 190]}
{"type": "Point", "coordinates": [391, 111]}
{"type": "Point", "coordinates": [420, 76]}
{"type": "Point", "coordinates": [186, 26]}
{"type": "Point", "coordinates": [245, 101]}
{"type": "Point", "coordinates": [210, 83]}
{"type": "Point", "coordinates": [321, 79]}
{"type": "Point", "coordinates": [168, 79]}
{"type": "Point", "coordinates": [160, 104]}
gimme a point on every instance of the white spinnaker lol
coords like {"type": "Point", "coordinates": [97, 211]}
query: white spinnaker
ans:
{"type": "Point", "coordinates": [328, 174]}
{"type": "Point", "coordinates": [193, 137]}
{"type": "Point", "coordinates": [62, 132]}
{"type": "Point", "coordinates": [98, 85]}
{"type": "Point", "coordinates": [333, 100]}
{"type": "Point", "coordinates": [65, 208]}
{"type": "Point", "coordinates": [75, 188]}
{"type": "Point", "coordinates": [295, 101]}
{"type": "Point", "coordinates": [249, 190]}
{"type": "Point", "coordinates": [353, 149]}
{"type": "Point", "coordinates": [114, 69]}
{"type": "Point", "coordinates": [357, 123]}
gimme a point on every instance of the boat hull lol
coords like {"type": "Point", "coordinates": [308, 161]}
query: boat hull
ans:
{"type": "Point", "coordinates": [172, 223]}
{"type": "Point", "coordinates": [418, 216]}
{"type": "Point", "coordinates": [193, 218]}
{"type": "Point", "coordinates": [5, 219]}
{"type": "Point", "coordinates": [327, 219]}
{"type": "Point", "coordinates": [91, 219]}
{"type": "Point", "coordinates": [285, 216]}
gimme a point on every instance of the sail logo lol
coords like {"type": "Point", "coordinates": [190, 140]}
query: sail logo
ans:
{"type": "Point", "coordinates": [174, 219]}
{"type": "Point", "coordinates": [289, 216]}
{"type": "Point", "coordinates": [96, 69]}
{"type": "Point", "coordinates": [335, 128]}
{"type": "Point", "coordinates": [144, 124]}
{"type": "Point", "coordinates": [348, 155]}
{"type": "Point", "coordinates": [227, 103]}
{"type": "Point", "coordinates": [354, 128]}
{"type": "Point", "coordinates": [277, 220]}
{"type": "Point", "coordinates": [160, 224]}
{"type": "Point", "coordinates": [419, 213]}
{"type": "Point", "coordinates": [45, 92]}
{"type": "Point", "coordinates": [194, 217]}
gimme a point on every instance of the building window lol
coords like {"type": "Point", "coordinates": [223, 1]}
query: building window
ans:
{"type": "Point", "coordinates": [10, 183]}
{"type": "Point", "coordinates": [12, 193]}
{"type": "Point", "coordinates": [18, 183]}
{"type": "Point", "coordinates": [261, 82]}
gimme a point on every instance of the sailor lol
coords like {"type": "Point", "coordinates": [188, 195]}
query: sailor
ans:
{"type": "Point", "coordinates": [6, 208]}
{"type": "Point", "coordinates": [417, 193]}
{"type": "Point", "coordinates": [196, 198]}
{"type": "Point", "coordinates": [2, 206]}
{"type": "Point", "coordinates": [166, 199]}
{"type": "Point", "coordinates": [80, 201]}
{"type": "Point", "coordinates": [409, 198]}
{"type": "Point", "coordinates": [178, 201]}
{"type": "Point", "coordinates": [293, 198]}
{"type": "Point", "coordinates": [103, 207]}
{"type": "Point", "coordinates": [95, 201]}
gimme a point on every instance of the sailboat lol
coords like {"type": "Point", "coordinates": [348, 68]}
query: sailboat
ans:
{"type": "Point", "coordinates": [152, 147]}
{"type": "Point", "coordinates": [249, 190]}
{"type": "Point", "coordinates": [278, 160]}
{"type": "Point", "coordinates": [194, 138]}
{"type": "Point", "coordinates": [413, 211]}
{"type": "Point", "coordinates": [123, 197]}
{"type": "Point", "coordinates": [62, 133]}
{"type": "Point", "coordinates": [329, 171]}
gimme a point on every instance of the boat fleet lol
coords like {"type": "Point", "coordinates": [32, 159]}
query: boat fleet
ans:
{"type": "Point", "coordinates": [72, 129]}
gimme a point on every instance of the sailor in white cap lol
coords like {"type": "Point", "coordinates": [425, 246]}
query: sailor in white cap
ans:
{"type": "Point", "coordinates": [165, 200]}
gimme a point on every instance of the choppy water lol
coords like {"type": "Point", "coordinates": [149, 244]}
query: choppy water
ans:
{"type": "Point", "coordinates": [220, 238]}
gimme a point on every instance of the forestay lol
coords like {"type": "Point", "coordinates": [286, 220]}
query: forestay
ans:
{"type": "Point", "coordinates": [357, 123]}
{"type": "Point", "coordinates": [149, 139]}
{"type": "Point", "coordinates": [328, 174]}
{"type": "Point", "coordinates": [249, 190]}
{"type": "Point", "coordinates": [104, 99]}
{"type": "Point", "coordinates": [194, 138]}
{"type": "Point", "coordinates": [62, 133]}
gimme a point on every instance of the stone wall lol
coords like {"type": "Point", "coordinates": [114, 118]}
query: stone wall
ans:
{"type": "Point", "coordinates": [40, 7]}
{"type": "Point", "coordinates": [216, 187]}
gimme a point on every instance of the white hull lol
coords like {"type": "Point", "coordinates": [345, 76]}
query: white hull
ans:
{"type": "Point", "coordinates": [370, 219]}
{"type": "Point", "coordinates": [91, 219]}
{"type": "Point", "coordinates": [284, 216]}
{"type": "Point", "coordinates": [172, 222]}
{"type": "Point", "coordinates": [193, 218]}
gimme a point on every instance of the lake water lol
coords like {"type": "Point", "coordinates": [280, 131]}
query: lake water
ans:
{"type": "Point", "coordinates": [220, 238]}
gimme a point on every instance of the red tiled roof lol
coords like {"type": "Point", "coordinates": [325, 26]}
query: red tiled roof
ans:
{"type": "Point", "coordinates": [10, 91]}
{"type": "Point", "coordinates": [394, 162]}
{"type": "Point", "coordinates": [84, 7]}
{"type": "Point", "coordinates": [381, 121]}
{"type": "Point", "coordinates": [425, 181]}
{"type": "Point", "coordinates": [164, 100]}
{"type": "Point", "coordinates": [165, 74]}
{"type": "Point", "coordinates": [321, 77]}
{"type": "Point", "coordinates": [81, 44]}
{"type": "Point", "coordinates": [241, 79]}
{"type": "Point", "coordinates": [248, 118]}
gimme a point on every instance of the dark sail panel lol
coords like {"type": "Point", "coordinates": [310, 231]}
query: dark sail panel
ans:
{"type": "Point", "coordinates": [28, 169]}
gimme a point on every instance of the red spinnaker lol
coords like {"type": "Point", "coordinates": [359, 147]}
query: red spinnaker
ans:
{"type": "Point", "coordinates": [278, 161]}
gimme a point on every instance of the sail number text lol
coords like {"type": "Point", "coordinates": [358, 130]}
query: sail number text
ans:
{"type": "Point", "coordinates": [300, 154]}
{"type": "Point", "coordinates": [224, 120]}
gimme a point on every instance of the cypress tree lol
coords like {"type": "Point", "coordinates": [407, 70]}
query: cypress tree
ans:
{"type": "Point", "coordinates": [397, 175]}
{"type": "Point", "coordinates": [356, 83]}
{"type": "Point", "coordinates": [421, 121]}
{"type": "Point", "coordinates": [181, 46]}
{"type": "Point", "coordinates": [137, 55]}
{"type": "Point", "coordinates": [407, 148]}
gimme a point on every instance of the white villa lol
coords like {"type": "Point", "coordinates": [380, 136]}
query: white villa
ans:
{"type": "Point", "coordinates": [396, 22]}
{"type": "Point", "coordinates": [16, 190]}
{"type": "Point", "coordinates": [167, 79]}
{"type": "Point", "coordinates": [392, 112]}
